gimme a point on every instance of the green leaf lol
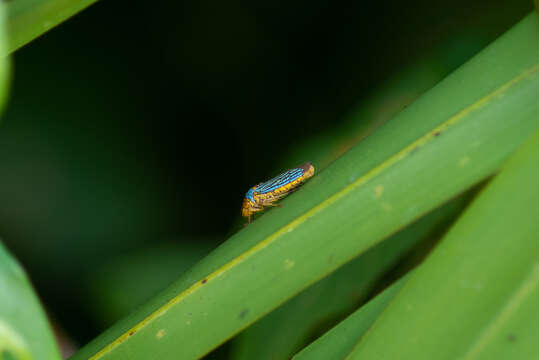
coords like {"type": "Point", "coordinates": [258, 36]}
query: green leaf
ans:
{"type": "Point", "coordinates": [387, 100]}
{"type": "Point", "coordinates": [24, 330]}
{"type": "Point", "coordinates": [454, 136]}
{"type": "Point", "coordinates": [11, 344]}
{"type": "Point", "coordinates": [286, 330]}
{"type": "Point", "coordinates": [28, 19]}
{"type": "Point", "coordinates": [476, 295]}
{"type": "Point", "coordinates": [127, 281]}
{"type": "Point", "coordinates": [5, 64]}
{"type": "Point", "coordinates": [339, 341]}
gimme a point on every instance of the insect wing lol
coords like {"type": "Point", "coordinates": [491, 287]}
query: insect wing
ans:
{"type": "Point", "coordinates": [279, 181]}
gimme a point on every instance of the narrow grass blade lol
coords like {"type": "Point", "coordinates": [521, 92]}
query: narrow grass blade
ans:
{"type": "Point", "coordinates": [29, 19]}
{"type": "Point", "coordinates": [340, 340]}
{"type": "Point", "coordinates": [287, 329]}
{"type": "Point", "coordinates": [127, 281]}
{"type": "Point", "coordinates": [476, 296]}
{"type": "Point", "coordinates": [5, 64]}
{"type": "Point", "coordinates": [384, 103]}
{"type": "Point", "coordinates": [454, 136]}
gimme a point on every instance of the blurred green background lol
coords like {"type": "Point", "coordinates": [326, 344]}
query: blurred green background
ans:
{"type": "Point", "coordinates": [134, 129]}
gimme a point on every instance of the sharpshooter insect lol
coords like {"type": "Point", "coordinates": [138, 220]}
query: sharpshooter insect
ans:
{"type": "Point", "coordinates": [267, 193]}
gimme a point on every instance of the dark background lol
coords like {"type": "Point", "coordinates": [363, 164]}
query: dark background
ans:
{"type": "Point", "coordinates": [137, 127]}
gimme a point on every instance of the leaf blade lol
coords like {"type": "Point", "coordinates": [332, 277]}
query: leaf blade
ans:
{"type": "Point", "coordinates": [283, 332]}
{"type": "Point", "coordinates": [24, 329]}
{"type": "Point", "coordinates": [29, 19]}
{"type": "Point", "coordinates": [286, 250]}
{"type": "Point", "coordinates": [470, 290]}
{"type": "Point", "coordinates": [340, 340]}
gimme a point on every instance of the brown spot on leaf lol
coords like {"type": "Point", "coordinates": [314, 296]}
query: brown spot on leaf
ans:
{"type": "Point", "coordinates": [204, 281]}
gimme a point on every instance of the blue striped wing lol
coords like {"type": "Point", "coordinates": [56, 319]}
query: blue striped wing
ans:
{"type": "Point", "coordinates": [278, 181]}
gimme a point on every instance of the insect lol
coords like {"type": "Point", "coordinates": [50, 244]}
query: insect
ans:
{"type": "Point", "coordinates": [267, 193]}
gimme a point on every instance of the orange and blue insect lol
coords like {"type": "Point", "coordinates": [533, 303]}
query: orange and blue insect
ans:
{"type": "Point", "coordinates": [267, 193]}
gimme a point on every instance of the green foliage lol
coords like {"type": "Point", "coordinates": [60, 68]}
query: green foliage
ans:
{"type": "Point", "coordinates": [24, 331]}
{"type": "Point", "coordinates": [282, 333]}
{"type": "Point", "coordinates": [128, 281]}
{"type": "Point", "coordinates": [339, 341]}
{"type": "Point", "coordinates": [454, 136]}
{"type": "Point", "coordinates": [4, 61]}
{"type": "Point", "coordinates": [327, 250]}
{"type": "Point", "coordinates": [475, 296]}
{"type": "Point", "coordinates": [28, 19]}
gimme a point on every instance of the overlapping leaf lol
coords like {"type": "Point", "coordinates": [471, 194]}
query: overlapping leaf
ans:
{"type": "Point", "coordinates": [456, 135]}
{"type": "Point", "coordinates": [476, 295]}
